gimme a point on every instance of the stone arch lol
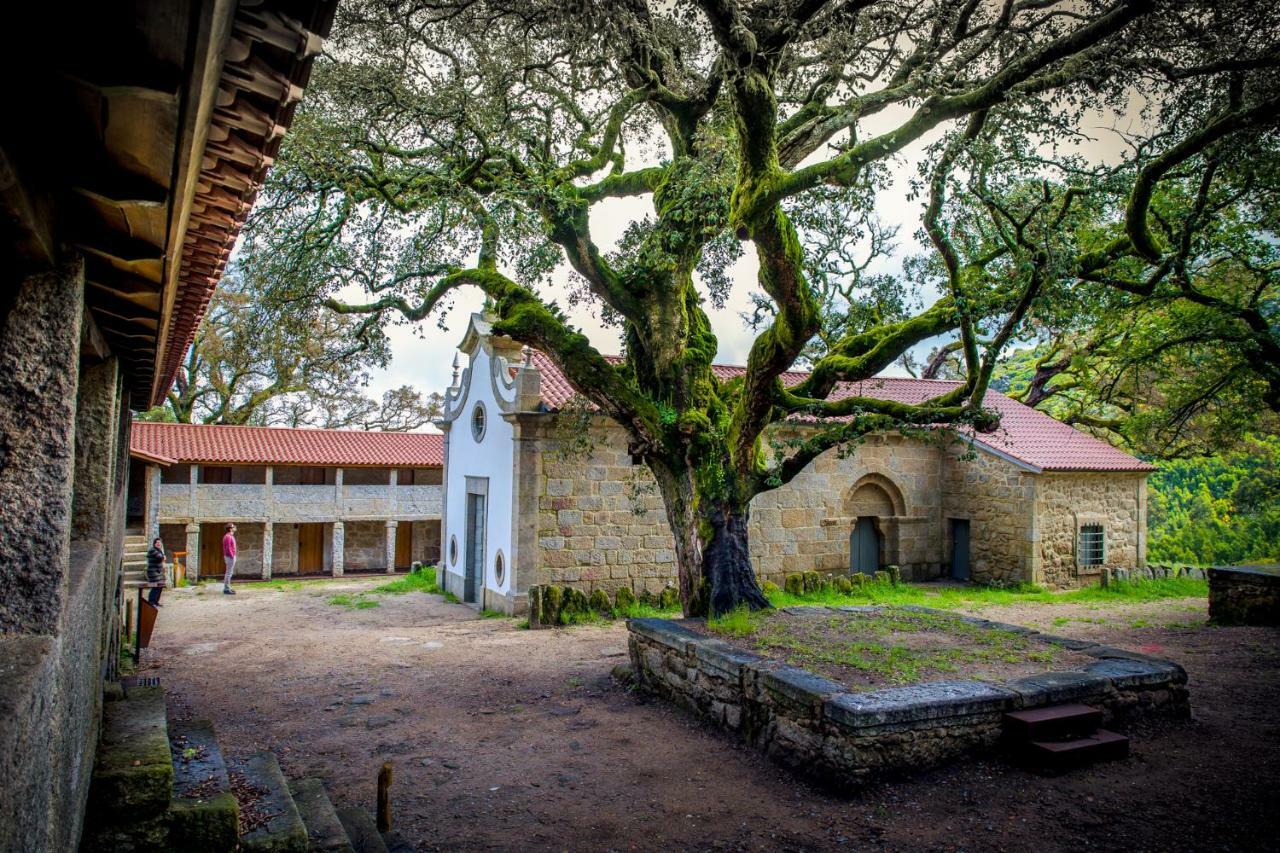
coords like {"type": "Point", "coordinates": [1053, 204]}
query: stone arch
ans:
{"type": "Point", "coordinates": [874, 494]}
{"type": "Point", "coordinates": [873, 505]}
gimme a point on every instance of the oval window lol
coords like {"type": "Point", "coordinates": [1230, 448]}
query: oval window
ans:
{"type": "Point", "coordinates": [499, 569]}
{"type": "Point", "coordinates": [453, 550]}
{"type": "Point", "coordinates": [478, 422]}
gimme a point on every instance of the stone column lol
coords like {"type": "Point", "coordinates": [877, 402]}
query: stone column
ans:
{"type": "Point", "coordinates": [339, 541]}
{"type": "Point", "coordinates": [337, 492]}
{"type": "Point", "coordinates": [391, 546]}
{"type": "Point", "coordinates": [193, 552]}
{"type": "Point", "coordinates": [153, 501]}
{"type": "Point", "coordinates": [39, 366]}
{"type": "Point", "coordinates": [97, 407]}
{"type": "Point", "coordinates": [267, 545]}
{"type": "Point", "coordinates": [195, 504]}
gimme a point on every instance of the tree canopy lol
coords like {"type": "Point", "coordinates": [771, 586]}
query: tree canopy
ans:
{"type": "Point", "coordinates": [469, 142]}
{"type": "Point", "coordinates": [253, 363]}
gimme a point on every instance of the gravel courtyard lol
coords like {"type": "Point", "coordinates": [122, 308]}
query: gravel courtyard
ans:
{"type": "Point", "coordinates": [504, 738]}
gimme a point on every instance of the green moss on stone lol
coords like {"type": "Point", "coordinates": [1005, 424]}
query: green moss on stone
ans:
{"type": "Point", "coordinates": [599, 602]}
{"type": "Point", "coordinates": [211, 824]}
{"type": "Point", "coordinates": [624, 599]}
{"type": "Point", "coordinates": [794, 584]}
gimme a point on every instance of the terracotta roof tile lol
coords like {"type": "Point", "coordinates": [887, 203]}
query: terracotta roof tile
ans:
{"type": "Point", "coordinates": [246, 445]}
{"type": "Point", "coordinates": [1026, 434]}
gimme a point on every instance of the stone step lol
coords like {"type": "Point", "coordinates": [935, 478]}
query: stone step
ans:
{"type": "Point", "coordinates": [1055, 722]}
{"type": "Point", "coordinates": [283, 832]}
{"type": "Point", "coordinates": [324, 829]}
{"type": "Point", "coordinates": [204, 814]}
{"type": "Point", "coordinates": [1102, 745]}
{"type": "Point", "coordinates": [362, 831]}
{"type": "Point", "coordinates": [132, 776]}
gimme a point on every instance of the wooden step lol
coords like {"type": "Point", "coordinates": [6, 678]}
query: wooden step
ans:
{"type": "Point", "coordinates": [324, 830]}
{"type": "Point", "coordinates": [283, 832]}
{"type": "Point", "coordinates": [1102, 745]}
{"type": "Point", "coordinates": [204, 814]}
{"type": "Point", "coordinates": [362, 831]}
{"type": "Point", "coordinates": [1055, 722]}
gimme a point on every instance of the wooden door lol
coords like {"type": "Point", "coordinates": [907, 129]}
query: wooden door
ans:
{"type": "Point", "coordinates": [864, 547]}
{"type": "Point", "coordinates": [310, 549]}
{"type": "Point", "coordinates": [404, 545]}
{"type": "Point", "coordinates": [211, 564]}
{"type": "Point", "coordinates": [960, 549]}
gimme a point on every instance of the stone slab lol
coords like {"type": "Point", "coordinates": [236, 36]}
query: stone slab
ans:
{"type": "Point", "coordinates": [1054, 687]}
{"type": "Point", "coordinates": [918, 703]}
{"type": "Point", "coordinates": [283, 832]}
{"type": "Point", "coordinates": [1128, 674]}
{"type": "Point", "coordinates": [362, 831]}
{"type": "Point", "coordinates": [665, 631]}
{"type": "Point", "coordinates": [324, 830]}
{"type": "Point", "coordinates": [133, 777]}
{"type": "Point", "coordinates": [798, 685]}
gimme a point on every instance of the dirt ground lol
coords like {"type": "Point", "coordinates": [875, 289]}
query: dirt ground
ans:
{"type": "Point", "coordinates": [505, 738]}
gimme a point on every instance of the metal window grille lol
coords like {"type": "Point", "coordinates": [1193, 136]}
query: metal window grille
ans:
{"type": "Point", "coordinates": [1091, 545]}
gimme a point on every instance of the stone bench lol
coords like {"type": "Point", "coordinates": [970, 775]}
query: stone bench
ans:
{"type": "Point", "coordinates": [1244, 595]}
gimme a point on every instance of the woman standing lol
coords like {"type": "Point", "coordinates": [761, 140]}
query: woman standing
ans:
{"type": "Point", "coordinates": [155, 570]}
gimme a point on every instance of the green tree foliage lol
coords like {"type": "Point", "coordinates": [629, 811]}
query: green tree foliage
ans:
{"type": "Point", "coordinates": [467, 143]}
{"type": "Point", "coordinates": [1219, 510]}
{"type": "Point", "coordinates": [255, 363]}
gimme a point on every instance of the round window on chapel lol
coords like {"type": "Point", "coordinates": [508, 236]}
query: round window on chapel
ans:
{"type": "Point", "coordinates": [478, 422]}
{"type": "Point", "coordinates": [453, 550]}
{"type": "Point", "coordinates": [499, 569]}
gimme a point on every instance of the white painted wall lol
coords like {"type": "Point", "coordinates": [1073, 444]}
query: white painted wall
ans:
{"type": "Point", "coordinates": [492, 458]}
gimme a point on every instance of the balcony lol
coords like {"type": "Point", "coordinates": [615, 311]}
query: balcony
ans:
{"type": "Point", "coordinates": [297, 503]}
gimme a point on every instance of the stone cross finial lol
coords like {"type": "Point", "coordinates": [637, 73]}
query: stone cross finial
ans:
{"type": "Point", "coordinates": [456, 364]}
{"type": "Point", "coordinates": [528, 355]}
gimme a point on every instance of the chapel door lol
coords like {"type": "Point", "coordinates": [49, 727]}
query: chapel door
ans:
{"type": "Point", "coordinates": [211, 564]}
{"type": "Point", "coordinates": [475, 547]}
{"type": "Point", "coordinates": [310, 549]}
{"type": "Point", "coordinates": [404, 545]}
{"type": "Point", "coordinates": [864, 547]}
{"type": "Point", "coordinates": [960, 549]}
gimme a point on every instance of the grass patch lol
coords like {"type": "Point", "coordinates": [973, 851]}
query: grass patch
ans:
{"type": "Point", "coordinates": [641, 610]}
{"type": "Point", "coordinates": [342, 600]}
{"type": "Point", "coordinates": [959, 597]}
{"type": "Point", "coordinates": [420, 581]}
{"type": "Point", "coordinates": [486, 613]}
{"type": "Point", "coordinates": [892, 646]}
{"type": "Point", "coordinates": [451, 598]}
{"type": "Point", "coordinates": [280, 584]}
{"type": "Point", "coordinates": [366, 604]}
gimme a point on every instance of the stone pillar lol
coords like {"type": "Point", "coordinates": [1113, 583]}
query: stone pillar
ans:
{"type": "Point", "coordinates": [339, 543]}
{"type": "Point", "coordinates": [193, 552]}
{"type": "Point", "coordinates": [193, 510]}
{"type": "Point", "coordinates": [267, 545]}
{"type": "Point", "coordinates": [97, 407]}
{"type": "Point", "coordinates": [337, 492]}
{"type": "Point", "coordinates": [391, 545]}
{"type": "Point", "coordinates": [152, 523]}
{"type": "Point", "coordinates": [39, 369]}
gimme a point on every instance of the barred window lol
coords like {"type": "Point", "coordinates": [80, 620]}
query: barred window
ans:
{"type": "Point", "coordinates": [1091, 545]}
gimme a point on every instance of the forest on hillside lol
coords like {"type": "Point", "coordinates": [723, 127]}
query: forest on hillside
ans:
{"type": "Point", "coordinates": [1217, 509]}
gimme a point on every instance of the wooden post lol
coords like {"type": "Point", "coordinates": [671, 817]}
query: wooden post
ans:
{"type": "Point", "coordinates": [384, 798]}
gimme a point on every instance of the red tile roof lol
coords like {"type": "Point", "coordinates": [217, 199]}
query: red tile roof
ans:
{"type": "Point", "coordinates": [1025, 434]}
{"type": "Point", "coordinates": [246, 445]}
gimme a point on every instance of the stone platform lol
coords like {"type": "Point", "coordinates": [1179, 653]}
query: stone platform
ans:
{"type": "Point", "coordinates": [822, 729]}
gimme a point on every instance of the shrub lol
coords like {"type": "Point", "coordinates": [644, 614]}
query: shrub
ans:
{"type": "Point", "coordinates": [599, 602]}
{"type": "Point", "coordinates": [624, 599]}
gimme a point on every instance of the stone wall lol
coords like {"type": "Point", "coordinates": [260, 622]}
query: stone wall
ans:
{"type": "Point", "coordinates": [63, 464]}
{"type": "Point", "coordinates": [588, 531]}
{"type": "Point", "coordinates": [816, 727]}
{"type": "Point", "coordinates": [249, 541]}
{"type": "Point", "coordinates": [998, 498]}
{"type": "Point", "coordinates": [366, 546]}
{"type": "Point", "coordinates": [426, 542]}
{"type": "Point", "coordinates": [1066, 501]}
{"type": "Point", "coordinates": [1244, 595]}
{"type": "Point", "coordinates": [289, 503]}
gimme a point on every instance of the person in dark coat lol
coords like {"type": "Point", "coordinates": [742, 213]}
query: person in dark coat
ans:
{"type": "Point", "coordinates": [155, 570]}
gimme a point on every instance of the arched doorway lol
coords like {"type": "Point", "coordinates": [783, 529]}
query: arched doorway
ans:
{"type": "Point", "coordinates": [874, 503]}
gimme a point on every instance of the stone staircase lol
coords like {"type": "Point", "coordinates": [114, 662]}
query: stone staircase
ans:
{"type": "Point", "coordinates": [158, 787]}
{"type": "Point", "coordinates": [135, 560]}
{"type": "Point", "coordinates": [1060, 737]}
